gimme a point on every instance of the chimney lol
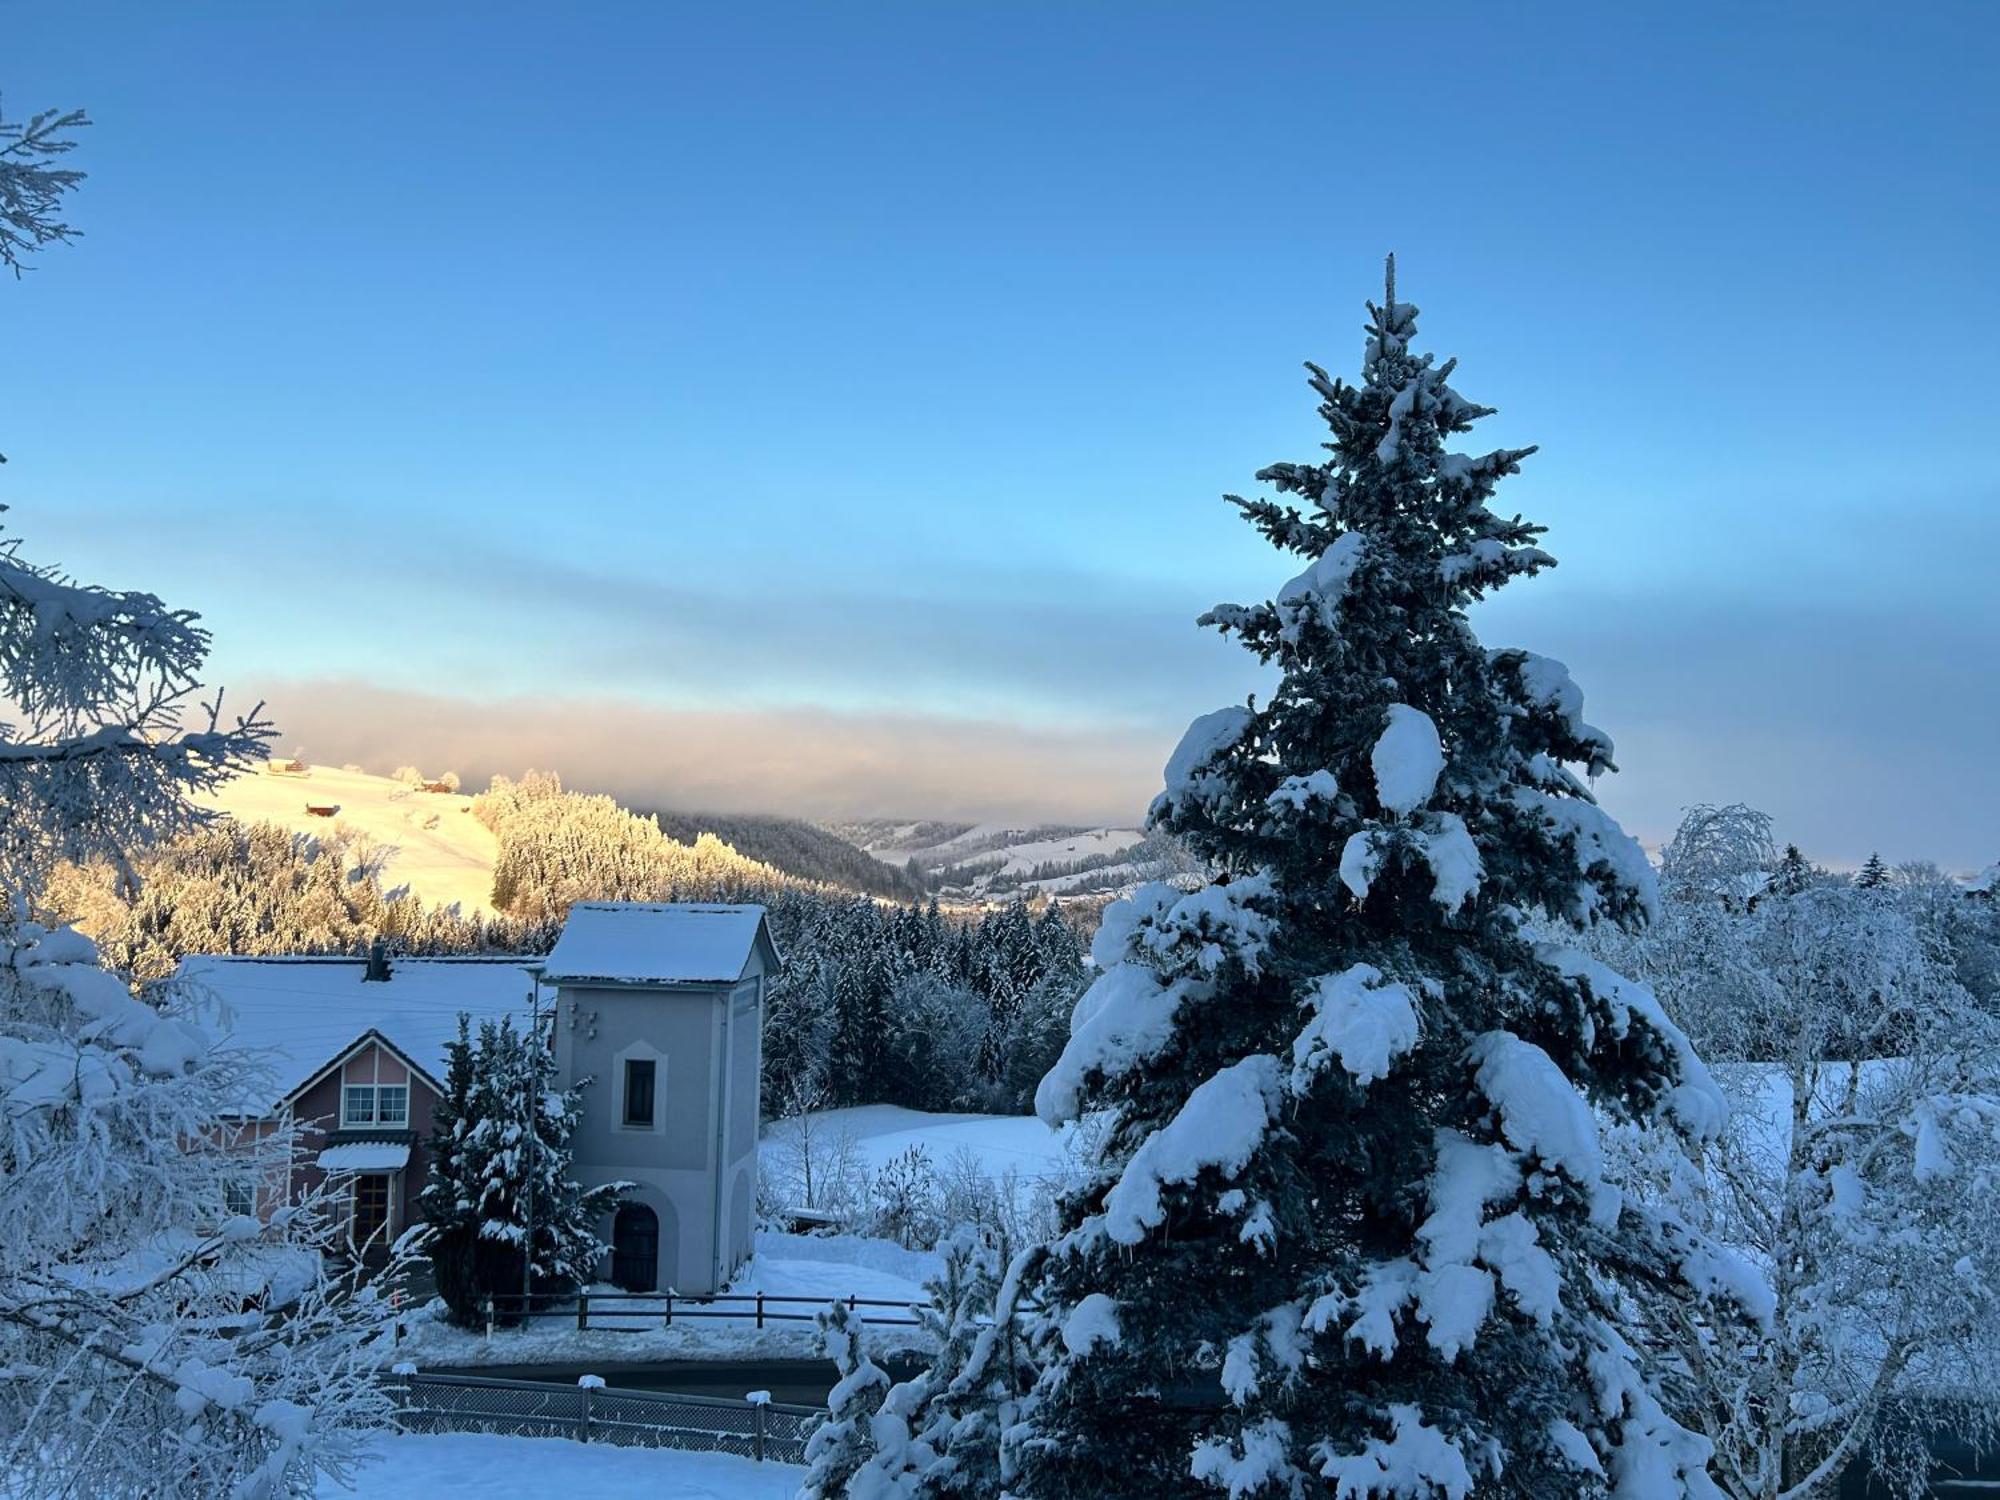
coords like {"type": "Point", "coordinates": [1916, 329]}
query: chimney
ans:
{"type": "Point", "coordinates": [378, 962]}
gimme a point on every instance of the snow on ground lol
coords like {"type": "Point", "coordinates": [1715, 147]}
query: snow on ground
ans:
{"type": "Point", "coordinates": [1092, 842]}
{"type": "Point", "coordinates": [820, 1268]}
{"type": "Point", "coordinates": [518, 1468]}
{"type": "Point", "coordinates": [817, 1268]}
{"type": "Point", "coordinates": [442, 852]}
{"type": "Point", "coordinates": [884, 1131]}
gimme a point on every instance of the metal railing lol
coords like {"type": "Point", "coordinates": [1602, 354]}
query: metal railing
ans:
{"type": "Point", "coordinates": [592, 1412]}
{"type": "Point", "coordinates": [637, 1312]}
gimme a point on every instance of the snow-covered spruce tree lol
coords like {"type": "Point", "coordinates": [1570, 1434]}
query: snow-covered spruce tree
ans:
{"type": "Point", "coordinates": [845, 1439]}
{"type": "Point", "coordinates": [1351, 1166]}
{"type": "Point", "coordinates": [983, 1372]}
{"type": "Point", "coordinates": [490, 1184]}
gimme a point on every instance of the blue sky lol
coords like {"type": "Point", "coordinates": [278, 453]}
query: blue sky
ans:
{"type": "Point", "coordinates": [826, 407]}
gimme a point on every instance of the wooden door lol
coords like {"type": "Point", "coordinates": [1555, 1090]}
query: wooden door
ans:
{"type": "Point", "coordinates": [635, 1248]}
{"type": "Point", "coordinates": [371, 1211]}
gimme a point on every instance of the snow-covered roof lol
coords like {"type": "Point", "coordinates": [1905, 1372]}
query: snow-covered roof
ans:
{"type": "Point", "coordinates": [366, 1156]}
{"type": "Point", "coordinates": [303, 1013]}
{"type": "Point", "coordinates": [635, 942]}
{"type": "Point", "coordinates": [1985, 883]}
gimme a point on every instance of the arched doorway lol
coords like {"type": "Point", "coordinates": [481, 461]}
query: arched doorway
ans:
{"type": "Point", "coordinates": [635, 1248]}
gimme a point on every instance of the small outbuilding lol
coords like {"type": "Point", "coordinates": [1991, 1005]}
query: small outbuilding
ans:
{"type": "Point", "coordinates": [662, 1006]}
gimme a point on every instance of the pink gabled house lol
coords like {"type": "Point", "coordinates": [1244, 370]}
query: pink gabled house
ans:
{"type": "Point", "coordinates": [356, 1048]}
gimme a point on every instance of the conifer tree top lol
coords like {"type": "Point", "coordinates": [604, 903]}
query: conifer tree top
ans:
{"type": "Point", "coordinates": [1394, 726]}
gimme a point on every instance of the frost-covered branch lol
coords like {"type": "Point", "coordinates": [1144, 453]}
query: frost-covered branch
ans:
{"type": "Point", "coordinates": [100, 762]}
{"type": "Point", "coordinates": [32, 185]}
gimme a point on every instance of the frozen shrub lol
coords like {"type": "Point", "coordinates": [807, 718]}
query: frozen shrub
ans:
{"type": "Point", "coordinates": [906, 1200]}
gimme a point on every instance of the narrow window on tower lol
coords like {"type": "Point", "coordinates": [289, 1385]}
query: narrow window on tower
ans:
{"type": "Point", "coordinates": [639, 1092]}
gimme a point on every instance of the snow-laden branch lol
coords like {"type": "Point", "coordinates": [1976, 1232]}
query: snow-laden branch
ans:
{"type": "Point", "coordinates": [100, 762]}
{"type": "Point", "coordinates": [32, 186]}
{"type": "Point", "coordinates": [156, 1341]}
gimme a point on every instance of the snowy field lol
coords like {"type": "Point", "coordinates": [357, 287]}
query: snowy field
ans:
{"type": "Point", "coordinates": [1008, 853]}
{"type": "Point", "coordinates": [442, 853]}
{"type": "Point", "coordinates": [883, 1131]}
{"type": "Point", "coordinates": [516, 1468]}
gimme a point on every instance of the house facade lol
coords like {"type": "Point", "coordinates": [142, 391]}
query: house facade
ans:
{"type": "Point", "coordinates": [655, 1008]}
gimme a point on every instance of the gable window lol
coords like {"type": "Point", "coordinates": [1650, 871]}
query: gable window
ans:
{"type": "Point", "coordinates": [639, 1073]}
{"type": "Point", "coordinates": [371, 1104]}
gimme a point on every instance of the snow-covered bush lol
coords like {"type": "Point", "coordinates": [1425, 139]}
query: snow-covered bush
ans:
{"type": "Point", "coordinates": [905, 1200]}
{"type": "Point", "coordinates": [845, 1439]}
{"type": "Point", "coordinates": [948, 1432]}
{"type": "Point", "coordinates": [154, 1338]}
{"type": "Point", "coordinates": [814, 1165]}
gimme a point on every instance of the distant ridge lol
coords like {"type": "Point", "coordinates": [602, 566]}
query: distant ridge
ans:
{"type": "Point", "coordinates": [798, 848]}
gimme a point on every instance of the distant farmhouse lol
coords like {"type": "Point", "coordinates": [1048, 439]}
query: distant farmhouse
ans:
{"type": "Point", "coordinates": [658, 1006]}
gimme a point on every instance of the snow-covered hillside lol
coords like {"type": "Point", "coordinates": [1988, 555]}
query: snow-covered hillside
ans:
{"type": "Point", "coordinates": [440, 851]}
{"type": "Point", "coordinates": [995, 861]}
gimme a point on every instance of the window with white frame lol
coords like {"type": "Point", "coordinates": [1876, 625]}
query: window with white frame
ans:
{"type": "Point", "coordinates": [640, 1074]}
{"type": "Point", "coordinates": [638, 1088]}
{"type": "Point", "coordinates": [375, 1104]}
{"type": "Point", "coordinates": [239, 1197]}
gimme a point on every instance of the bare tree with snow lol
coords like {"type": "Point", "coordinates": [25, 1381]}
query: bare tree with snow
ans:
{"type": "Point", "coordinates": [1858, 1169]}
{"type": "Point", "coordinates": [167, 1326]}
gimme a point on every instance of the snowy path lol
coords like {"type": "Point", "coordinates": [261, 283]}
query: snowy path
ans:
{"type": "Point", "coordinates": [515, 1468]}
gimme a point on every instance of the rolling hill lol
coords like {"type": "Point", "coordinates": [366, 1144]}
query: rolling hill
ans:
{"type": "Point", "coordinates": [441, 851]}
{"type": "Point", "coordinates": [445, 855]}
{"type": "Point", "coordinates": [987, 862]}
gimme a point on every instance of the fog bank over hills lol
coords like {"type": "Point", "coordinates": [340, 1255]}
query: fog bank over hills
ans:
{"type": "Point", "coordinates": [804, 763]}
